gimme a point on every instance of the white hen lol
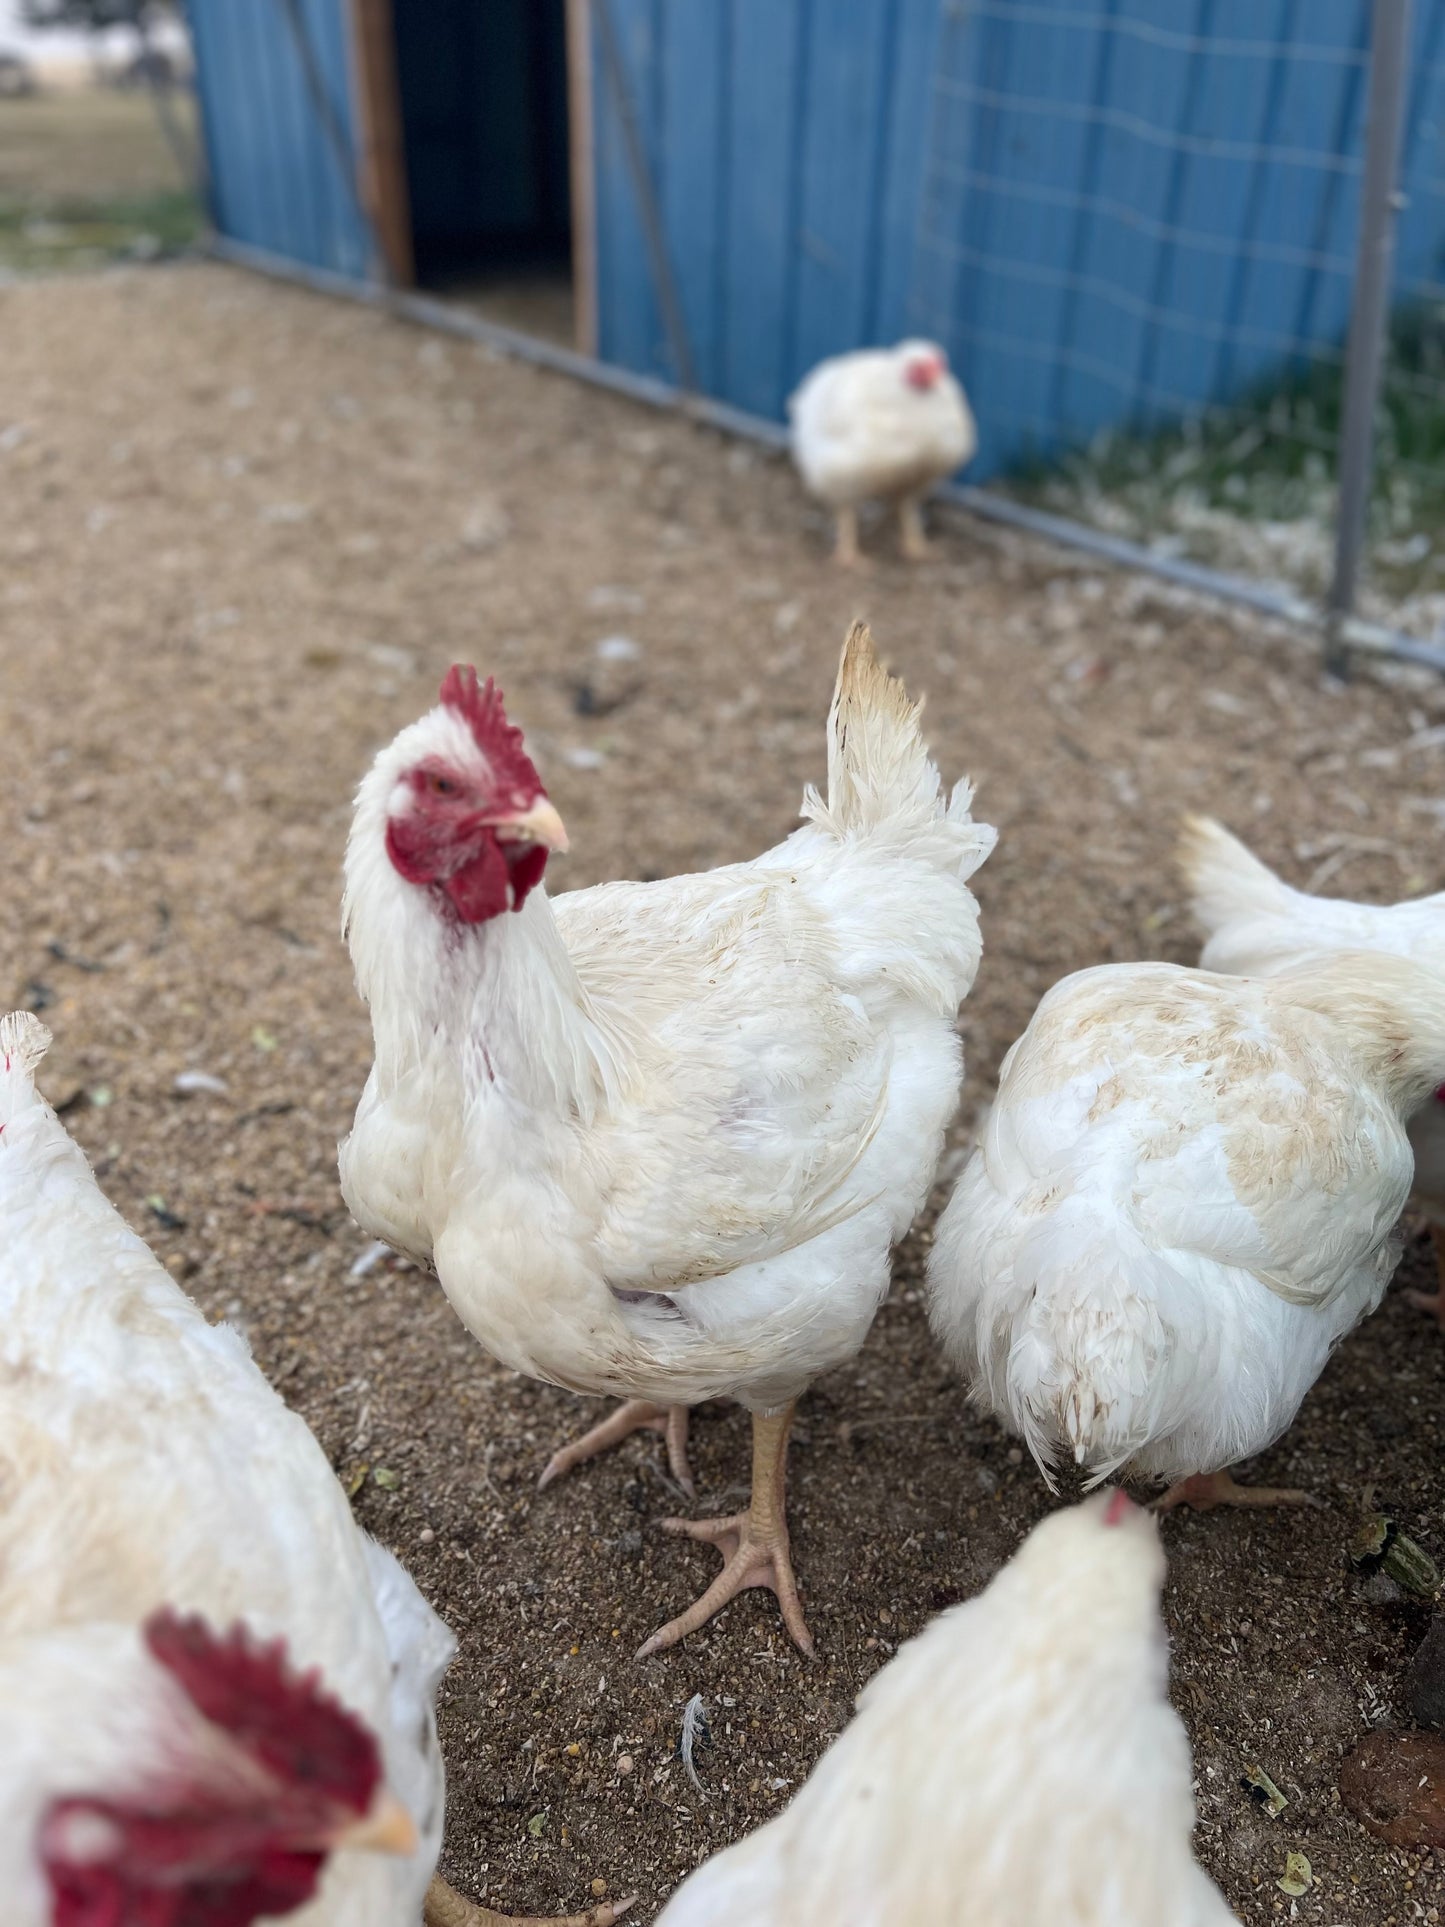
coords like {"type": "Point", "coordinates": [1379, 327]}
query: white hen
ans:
{"type": "Point", "coordinates": [886, 423]}
{"type": "Point", "coordinates": [154, 1492]}
{"type": "Point", "coordinates": [1018, 1762]}
{"type": "Point", "coordinates": [658, 1139]}
{"type": "Point", "coordinates": [1186, 1193]}
{"type": "Point", "coordinates": [1255, 925]}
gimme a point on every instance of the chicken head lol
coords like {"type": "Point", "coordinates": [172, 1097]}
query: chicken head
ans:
{"type": "Point", "coordinates": [266, 1776]}
{"type": "Point", "coordinates": [468, 815]}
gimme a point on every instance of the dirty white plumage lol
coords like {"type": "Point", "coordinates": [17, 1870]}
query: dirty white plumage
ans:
{"type": "Point", "coordinates": [1255, 925]}
{"type": "Point", "coordinates": [145, 1461]}
{"type": "Point", "coordinates": [1185, 1194]}
{"type": "Point", "coordinates": [1018, 1762]}
{"type": "Point", "coordinates": [880, 424]}
{"type": "Point", "coordinates": [659, 1138]}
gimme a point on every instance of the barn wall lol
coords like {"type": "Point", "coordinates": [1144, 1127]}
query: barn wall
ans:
{"type": "Point", "coordinates": [787, 144]}
{"type": "Point", "coordinates": [276, 182]}
{"type": "Point", "coordinates": [1111, 212]}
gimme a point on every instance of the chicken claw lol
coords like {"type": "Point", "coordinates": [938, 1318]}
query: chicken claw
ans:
{"type": "Point", "coordinates": [445, 1907]}
{"type": "Point", "coordinates": [634, 1415]}
{"type": "Point", "coordinates": [753, 1544]}
{"type": "Point", "coordinates": [1205, 1490]}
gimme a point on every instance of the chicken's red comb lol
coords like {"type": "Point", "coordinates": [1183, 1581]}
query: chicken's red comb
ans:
{"type": "Point", "coordinates": [480, 708]}
{"type": "Point", "coordinates": [1119, 1507]}
{"type": "Point", "coordinates": [281, 1717]}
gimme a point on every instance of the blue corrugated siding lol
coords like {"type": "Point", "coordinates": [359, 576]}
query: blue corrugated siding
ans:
{"type": "Point", "coordinates": [787, 144]}
{"type": "Point", "coordinates": [1111, 212]}
{"type": "Point", "coordinates": [276, 181]}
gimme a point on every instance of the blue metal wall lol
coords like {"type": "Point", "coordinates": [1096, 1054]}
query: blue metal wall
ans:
{"type": "Point", "coordinates": [1111, 212]}
{"type": "Point", "coordinates": [787, 141]}
{"type": "Point", "coordinates": [276, 181]}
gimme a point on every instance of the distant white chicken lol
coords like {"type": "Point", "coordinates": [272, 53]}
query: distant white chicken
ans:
{"type": "Point", "coordinates": [1185, 1194]}
{"type": "Point", "coordinates": [882, 423]}
{"type": "Point", "coordinates": [1256, 925]}
{"type": "Point", "coordinates": [1017, 1763]}
{"type": "Point", "coordinates": [658, 1139]}
{"type": "Point", "coordinates": [174, 1549]}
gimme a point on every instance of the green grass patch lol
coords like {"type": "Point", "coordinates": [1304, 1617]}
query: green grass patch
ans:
{"type": "Point", "coordinates": [1252, 486]}
{"type": "Point", "coordinates": [37, 237]}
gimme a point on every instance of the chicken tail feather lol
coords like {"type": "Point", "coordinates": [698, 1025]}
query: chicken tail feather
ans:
{"type": "Point", "coordinates": [881, 778]}
{"type": "Point", "coordinates": [24, 1040]}
{"type": "Point", "coordinates": [1226, 880]}
{"type": "Point", "coordinates": [878, 763]}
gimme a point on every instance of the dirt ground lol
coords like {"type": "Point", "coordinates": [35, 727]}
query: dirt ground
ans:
{"type": "Point", "coordinates": [244, 532]}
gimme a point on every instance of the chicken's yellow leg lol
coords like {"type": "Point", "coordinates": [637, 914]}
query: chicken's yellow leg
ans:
{"type": "Point", "coordinates": [1205, 1490]}
{"type": "Point", "coordinates": [445, 1907]}
{"type": "Point", "coordinates": [754, 1544]}
{"type": "Point", "coordinates": [915, 544]}
{"type": "Point", "coordinates": [845, 548]}
{"type": "Point", "coordinates": [634, 1415]}
{"type": "Point", "coordinates": [1424, 1300]}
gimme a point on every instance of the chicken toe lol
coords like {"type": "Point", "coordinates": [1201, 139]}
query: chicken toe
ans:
{"type": "Point", "coordinates": [634, 1415]}
{"type": "Point", "coordinates": [753, 1544]}
{"type": "Point", "coordinates": [445, 1907]}
{"type": "Point", "coordinates": [1206, 1490]}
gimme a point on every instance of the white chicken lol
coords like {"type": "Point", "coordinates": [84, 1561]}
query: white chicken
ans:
{"type": "Point", "coordinates": [1256, 925]}
{"type": "Point", "coordinates": [174, 1547]}
{"type": "Point", "coordinates": [1185, 1194]}
{"type": "Point", "coordinates": [1018, 1762]}
{"type": "Point", "coordinates": [658, 1139]}
{"type": "Point", "coordinates": [887, 423]}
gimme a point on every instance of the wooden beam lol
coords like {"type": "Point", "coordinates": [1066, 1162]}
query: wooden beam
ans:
{"type": "Point", "coordinates": [581, 156]}
{"type": "Point", "coordinates": [380, 138]}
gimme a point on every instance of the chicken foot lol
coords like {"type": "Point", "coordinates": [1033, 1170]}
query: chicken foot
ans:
{"type": "Point", "coordinates": [634, 1415]}
{"type": "Point", "coordinates": [915, 544]}
{"type": "Point", "coordinates": [1423, 1300]}
{"type": "Point", "coordinates": [1205, 1490]}
{"type": "Point", "coordinates": [753, 1544]}
{"type": "Point", "coordinates": [445, 1907]}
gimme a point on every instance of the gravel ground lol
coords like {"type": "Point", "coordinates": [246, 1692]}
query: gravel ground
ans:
{"type": "Point", "coordinates": [245, 530]}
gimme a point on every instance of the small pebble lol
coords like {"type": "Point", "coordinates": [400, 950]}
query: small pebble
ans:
{"type": "Point", "coordinates": [426, 1535]}
{"type": "Point", "coordinates": [599, 1888]}
{"type": "Point", "coordinates": [624, 1763]}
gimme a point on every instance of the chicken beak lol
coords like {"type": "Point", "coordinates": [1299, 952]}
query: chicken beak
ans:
{"type": "Point", "coordinates": [387, 1828]}
{"type": "Point", "coordinates": [540, 824]}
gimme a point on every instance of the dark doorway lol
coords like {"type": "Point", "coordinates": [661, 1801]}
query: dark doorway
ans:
{"type": "Point", "coordinates": [483, 97]}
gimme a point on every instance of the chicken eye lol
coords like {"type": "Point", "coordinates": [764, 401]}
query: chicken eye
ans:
{"type": "Point", "coordinates": [443, 786]}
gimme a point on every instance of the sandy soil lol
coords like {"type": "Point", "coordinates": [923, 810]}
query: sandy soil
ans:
{"type": "Point", "coordinates": [244, 532]}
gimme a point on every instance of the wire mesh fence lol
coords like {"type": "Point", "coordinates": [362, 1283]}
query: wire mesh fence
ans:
{"type": "Point", "coordinates": [1141, 235]}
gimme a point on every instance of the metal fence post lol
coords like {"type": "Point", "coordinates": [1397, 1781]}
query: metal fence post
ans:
{"type": "Point", "coordinates": [1369, 314]}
